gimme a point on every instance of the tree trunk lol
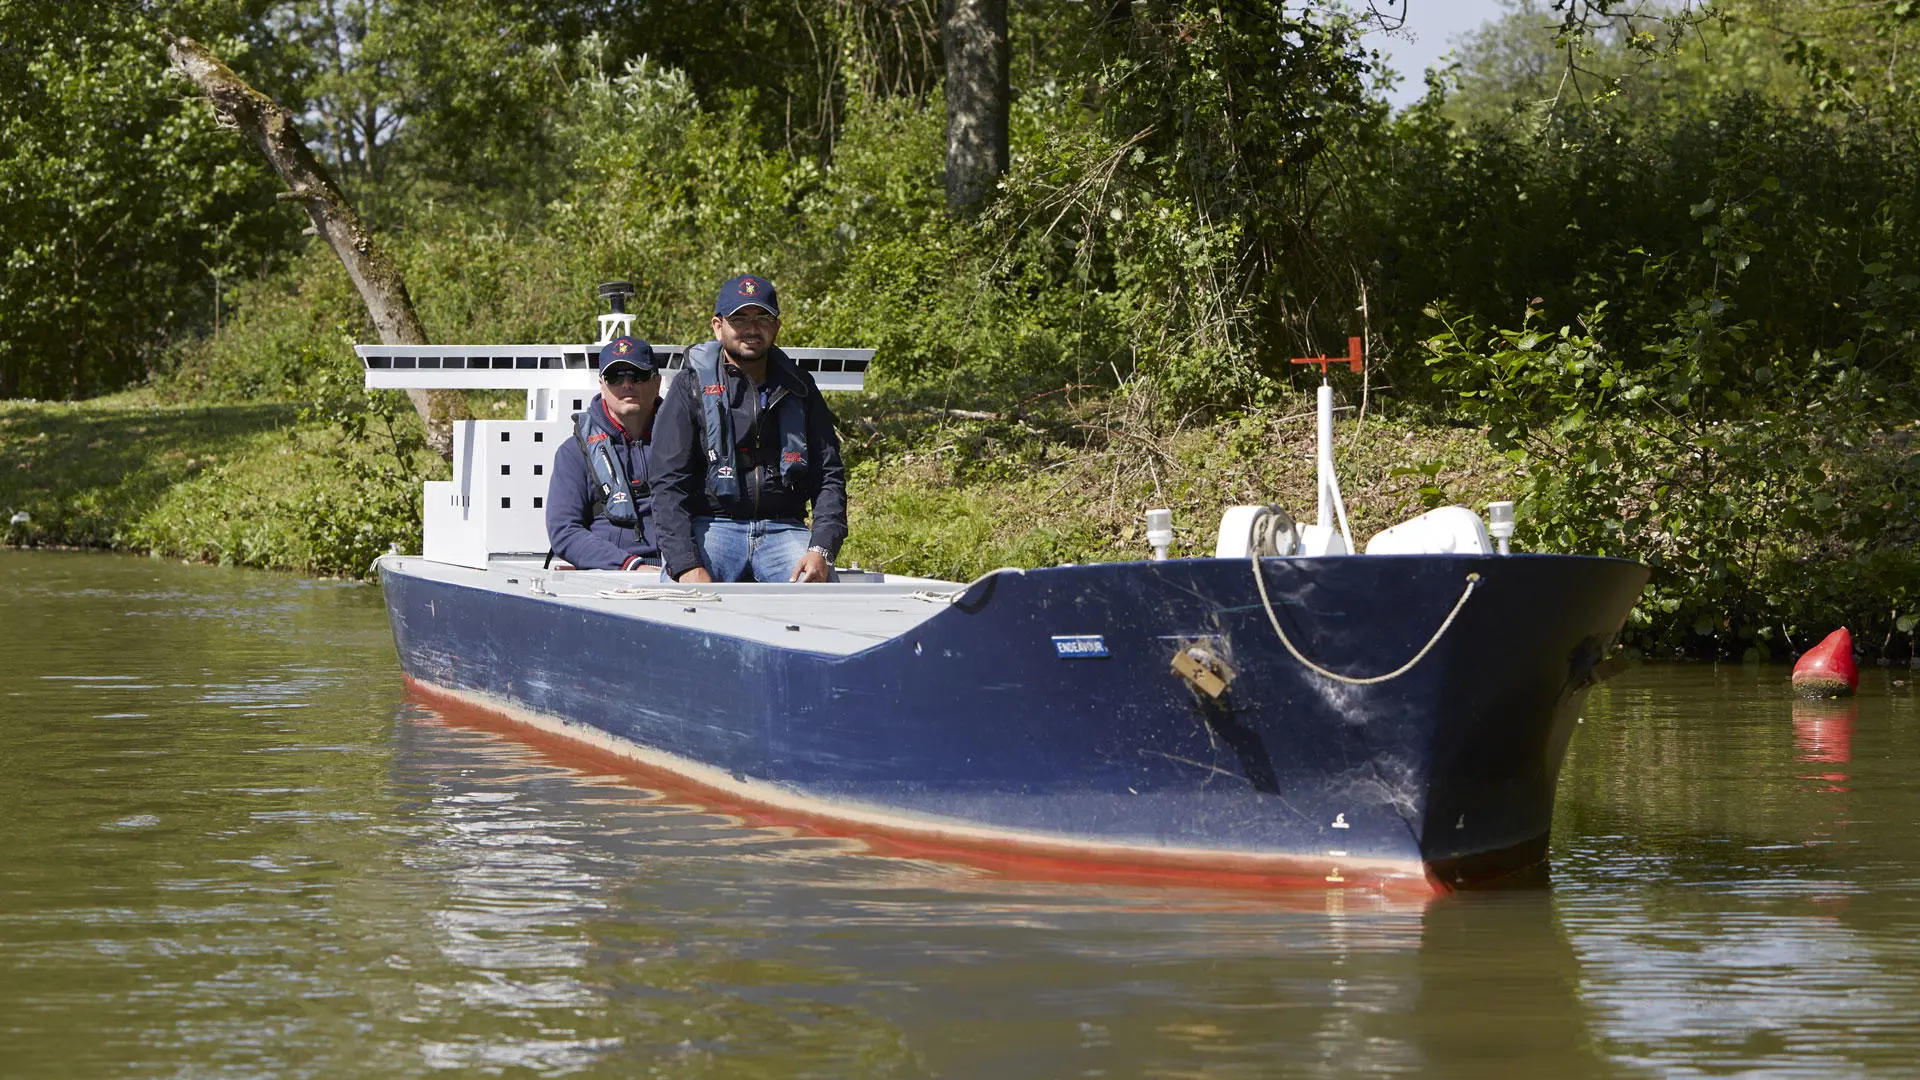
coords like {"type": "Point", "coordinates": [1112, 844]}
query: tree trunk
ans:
{"type": "Point", "coordinates": [271, 130]}
{"type": "Point", "coordinates": [974, 38]}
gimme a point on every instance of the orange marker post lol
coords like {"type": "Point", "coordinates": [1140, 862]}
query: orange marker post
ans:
{"type": "Point", "coordinates": [1353, 359]}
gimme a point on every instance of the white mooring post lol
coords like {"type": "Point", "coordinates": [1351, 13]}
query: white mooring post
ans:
{"type": "Point", "coordinates": [1324, 457]}
{"type": "Point", "coordinates": [1329, 534]}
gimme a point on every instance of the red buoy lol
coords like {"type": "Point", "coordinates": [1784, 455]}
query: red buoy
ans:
{"type": "Point", "coordinates": [1826, 670]}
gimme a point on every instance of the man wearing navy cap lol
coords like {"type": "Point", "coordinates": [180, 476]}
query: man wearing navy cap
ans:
{"type": "Point", "coordinates": [598, 497]}
{"type": "Point", "coordinates": [748, 484]}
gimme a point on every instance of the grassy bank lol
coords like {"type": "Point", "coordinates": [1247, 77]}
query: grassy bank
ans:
{"type": "Point", "coordinates": [956, 496]}
{"type": "Point", "coordinates": [933, 491]}
{"type": "Point", "coordinates": [264, 485]}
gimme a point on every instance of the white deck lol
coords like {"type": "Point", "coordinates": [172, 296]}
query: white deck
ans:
{"type": "Point", "coordinates": [833, 618]}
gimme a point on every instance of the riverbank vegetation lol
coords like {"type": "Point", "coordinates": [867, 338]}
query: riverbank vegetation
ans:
{"type": "Point", "coordinates": [1654, 276]}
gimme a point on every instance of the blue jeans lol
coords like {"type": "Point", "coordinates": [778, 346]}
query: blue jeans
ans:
{"type": "Point", "coordinates": [751, 550]}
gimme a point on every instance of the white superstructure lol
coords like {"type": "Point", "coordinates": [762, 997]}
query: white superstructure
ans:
{"type": "Point", "coordinates": [495, 505]}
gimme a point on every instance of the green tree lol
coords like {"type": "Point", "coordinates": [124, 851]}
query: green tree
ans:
{"type": "Point", "coordinates": [126, 208]}
{"type": "Point", "coordinates": [1174, 177]}
{"type": "Point", "coordinates": [411, 100]}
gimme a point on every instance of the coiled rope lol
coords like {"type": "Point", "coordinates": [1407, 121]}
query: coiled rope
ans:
{"type": "Point", "coordinates": [1260, 580]}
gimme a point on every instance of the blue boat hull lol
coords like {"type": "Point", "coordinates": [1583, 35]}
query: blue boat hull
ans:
{"type": "Point", "coordinates": [977, 732]}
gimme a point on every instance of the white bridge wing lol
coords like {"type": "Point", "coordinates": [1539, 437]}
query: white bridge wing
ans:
{"type": "Point", "coordinates": [559, 367]}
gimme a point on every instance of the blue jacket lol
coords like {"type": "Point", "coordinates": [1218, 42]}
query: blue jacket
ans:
{"type": "Point", "coordinates": [579, 535]}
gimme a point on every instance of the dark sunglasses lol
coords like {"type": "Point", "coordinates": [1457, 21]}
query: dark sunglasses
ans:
{"type": "Point", "coordinates": [628, 375]}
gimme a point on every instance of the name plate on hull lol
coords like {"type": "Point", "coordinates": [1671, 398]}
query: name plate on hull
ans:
{"type": "Point", "coordinates": [1080, 646]}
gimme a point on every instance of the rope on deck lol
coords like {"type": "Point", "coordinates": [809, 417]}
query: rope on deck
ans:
{"type": "Point", "coordinates": [658, 592]}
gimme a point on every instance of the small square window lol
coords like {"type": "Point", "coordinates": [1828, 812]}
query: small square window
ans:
{"type": "Point", "coordinates": [506, 504]}
{"type": "Point", "coordinates": [538, 502]}
{"type": "Point", "coordinates": [506, 436]}
{"type": "Point", "coordinates": [539, 470]}
{"type": "Point", "coordinates": [578, 404]}
{"type": "Point", "coordinates": [539, 436]}
{"type": "Point", "coordinates": [506, 470]}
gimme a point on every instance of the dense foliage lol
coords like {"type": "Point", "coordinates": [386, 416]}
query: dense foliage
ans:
{"type": "Point", "coordinates": [1666, 263]}
{"type": "Point", "coordinates": [124, 204]}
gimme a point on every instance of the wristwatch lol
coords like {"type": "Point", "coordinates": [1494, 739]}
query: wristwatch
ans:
{"type": "Point", "coordinates": [816, 549]}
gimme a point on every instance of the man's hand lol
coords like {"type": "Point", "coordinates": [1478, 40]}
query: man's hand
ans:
{"type": "Point", "coordinates": [813, 567]}
{"type": "Point", "coordinates": [696, 576]}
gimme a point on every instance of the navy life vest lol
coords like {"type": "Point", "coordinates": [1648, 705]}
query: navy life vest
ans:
{"type": "Point", "coordinates": [617, 495]}
{"type": "Point", "coordinates": [704, 363]}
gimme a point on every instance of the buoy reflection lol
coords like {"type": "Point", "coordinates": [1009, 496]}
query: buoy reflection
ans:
{"type": "Point", "coordinates": [1823, 735]}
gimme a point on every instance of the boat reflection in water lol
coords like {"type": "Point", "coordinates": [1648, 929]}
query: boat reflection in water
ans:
{"type": "Point", "coordinates": [605, 921]}
{"type": "Point", "coordinates": [1501, 987]}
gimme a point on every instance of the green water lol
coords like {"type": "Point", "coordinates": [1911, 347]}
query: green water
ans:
{"type": "Point", "coordinates": [231, 846]}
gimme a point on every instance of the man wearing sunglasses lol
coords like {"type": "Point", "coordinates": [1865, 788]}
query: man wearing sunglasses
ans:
{"type": "Point", "coordinates": [748, 484]}
{"type": "Point", "coordinates": [598, 496]}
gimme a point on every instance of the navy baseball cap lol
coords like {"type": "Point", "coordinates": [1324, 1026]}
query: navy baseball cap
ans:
{"type": "Point", "coordinates": [632, 352]}
{"type": "Point", "coordinates": [747, 290]}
